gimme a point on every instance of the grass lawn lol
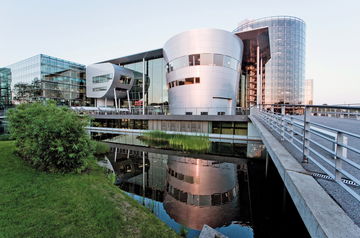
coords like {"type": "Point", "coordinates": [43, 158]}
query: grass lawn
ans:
{"type": "Point", "coordinates": [38, 204]}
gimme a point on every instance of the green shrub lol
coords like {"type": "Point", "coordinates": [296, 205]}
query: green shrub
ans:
{"type": "Point", "coordinates": [5, 137]}
{"type": "Point", "coordinates": [50, 138]}
{"type": "Point", "coordinates": [101, 148]}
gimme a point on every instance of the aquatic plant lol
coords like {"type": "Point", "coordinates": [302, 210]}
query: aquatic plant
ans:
{"type": "Point", "coordinates": [177, 141]}
{"type": "Point", "coordinates": [100, 148]}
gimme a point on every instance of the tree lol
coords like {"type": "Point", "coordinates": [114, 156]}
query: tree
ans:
{"type": "Point", "coordinates": [50, 138]}
{"type": "Point", "coordinates": [28, 92]}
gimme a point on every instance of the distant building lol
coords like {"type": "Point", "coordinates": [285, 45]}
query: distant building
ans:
{"type": "Point", "coordinates": [309, 91]}
{"type": "Point", "coordinates": [43, 77]}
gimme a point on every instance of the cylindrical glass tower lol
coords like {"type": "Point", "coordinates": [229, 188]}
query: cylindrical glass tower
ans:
{"type": "Point", "coordinates": [285, 71]}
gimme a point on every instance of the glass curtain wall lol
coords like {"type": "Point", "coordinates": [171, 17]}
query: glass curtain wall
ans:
{"type": "Point", "coordinates": [285, 71]}
{"type": "Point", "coordinates": [155, 74]}
{"type": "Point", "coordinates": [5, 80]}
{"type": "Point", "coordinates": [63, 80]}
{"type": "Point", "coordinates": [44, 77]}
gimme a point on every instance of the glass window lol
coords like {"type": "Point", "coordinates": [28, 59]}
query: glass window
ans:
{"type": "Point", "coordinates": [206, 59]}
{"type": "Point", "coordinates": [102, 78]}
{"type": "Point", "coordinates": [99, 89]}
{"type": "Point", "coordinates": [216, 199]}
{"type": "Point", "coordinates": [189, 81]}
{"type": "Point", "coordinates": [218, 60]}
{"type": "Point", "coordinates": [125, 80]}
{"type": "Point", "coordinates": [204, 200]}
{"type": "Point", "coordinates": [194, 59]}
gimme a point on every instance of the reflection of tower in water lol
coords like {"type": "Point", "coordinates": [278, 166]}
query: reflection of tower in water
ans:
{"type": "Point", "coordinates": [201, 192]}
{"type": "Point", "coordinates": [139, 172]}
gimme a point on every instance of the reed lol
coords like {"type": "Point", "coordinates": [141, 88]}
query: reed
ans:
{"type": "Point", "coordinates": [178, 141]}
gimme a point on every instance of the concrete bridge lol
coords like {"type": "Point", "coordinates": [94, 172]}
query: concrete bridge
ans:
{"type": "Point", "coordinates": [316, 150]}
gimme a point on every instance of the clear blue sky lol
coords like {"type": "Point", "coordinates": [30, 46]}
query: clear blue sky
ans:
{"type": "Point", "coordinates": [94, 30]}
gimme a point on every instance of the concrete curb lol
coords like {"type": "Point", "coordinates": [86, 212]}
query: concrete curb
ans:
{"type": "Point", "coordinates": [322, 216]}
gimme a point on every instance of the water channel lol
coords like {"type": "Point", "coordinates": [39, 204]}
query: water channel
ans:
{"type": "Point", "coordinates": [234, 189]}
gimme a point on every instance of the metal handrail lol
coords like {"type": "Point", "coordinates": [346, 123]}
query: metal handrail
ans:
{"type": "Point", "coordinates": [163, 110]}
{"type": "Point", "coordinates": [299, 132]}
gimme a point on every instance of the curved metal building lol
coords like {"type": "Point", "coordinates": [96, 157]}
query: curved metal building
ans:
{"type": "Point", "coordinates": [203, 70]}
{"type": "Point", "coordinates": [108, 83]}
{"type": "Point", "coordinates": [285, 71]}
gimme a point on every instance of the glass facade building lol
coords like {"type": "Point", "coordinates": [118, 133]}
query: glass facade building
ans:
{"type": "Point", "coordinates": [44, 77]}
{"type": "Point", "coordinates": [285, 71]}
{"type": "Point", "coordinates": [155, 71]}
{"type": "Point", "coordinates": [5, 93]}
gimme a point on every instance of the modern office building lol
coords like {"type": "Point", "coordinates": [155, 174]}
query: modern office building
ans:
{"type": "Point", "coordinates": [113, 82]}
{"type": "Point", "coordinates": [148, 65]}
{"type": "Point", "coordinates": [5, 93]}
{"type": "Point", "coordinates": [203, 71]}
{"type": "Point", "coordinates": [285, 72]}
{"type": "Point", "coordinates": [44, 77]}
{"type": "Point", "coordinates": [198, 72]}
{"type": "Point", "coordinates": [210, 71]}
{"type": "Point", "coordinates": [309, 91]}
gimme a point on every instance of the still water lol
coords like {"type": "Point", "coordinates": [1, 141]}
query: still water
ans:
{"type": "Point", "coordinates": [239, 196]}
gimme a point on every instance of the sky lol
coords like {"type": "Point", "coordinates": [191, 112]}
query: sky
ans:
{"type": "Point", "coordinates": [89, 31]}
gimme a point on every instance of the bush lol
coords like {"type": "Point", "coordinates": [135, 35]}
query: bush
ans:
{"type": "Point", "coordinates": [50, 138]}
{"type": "Point", "coordinates": [101, 148]}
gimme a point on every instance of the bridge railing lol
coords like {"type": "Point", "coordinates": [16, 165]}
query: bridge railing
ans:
{"type": "Point", "coordinates": [326, 142]}
{"type": "Point", "coordinates": [163, 110]}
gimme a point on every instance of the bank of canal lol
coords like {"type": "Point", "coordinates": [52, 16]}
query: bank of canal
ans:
{"type": "Point", "coordinates": [39, 204]}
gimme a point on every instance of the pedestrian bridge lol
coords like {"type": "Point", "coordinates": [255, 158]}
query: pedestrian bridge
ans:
{"type": "Point", "coordinates": [316, 150]}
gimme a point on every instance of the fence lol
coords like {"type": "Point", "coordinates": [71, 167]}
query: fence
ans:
{"type": "Point", "coordinates": [332, 144]}
{"type": "Point", "coordinates": [163, 110]}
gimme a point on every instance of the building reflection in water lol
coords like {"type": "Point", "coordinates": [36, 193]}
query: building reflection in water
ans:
{"type": "Point", "coordinates": [193, 191]}
{"type": "Point", "coordinates": [238, 196]}
{"type": "Point", "coordinates": [201, 192]}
